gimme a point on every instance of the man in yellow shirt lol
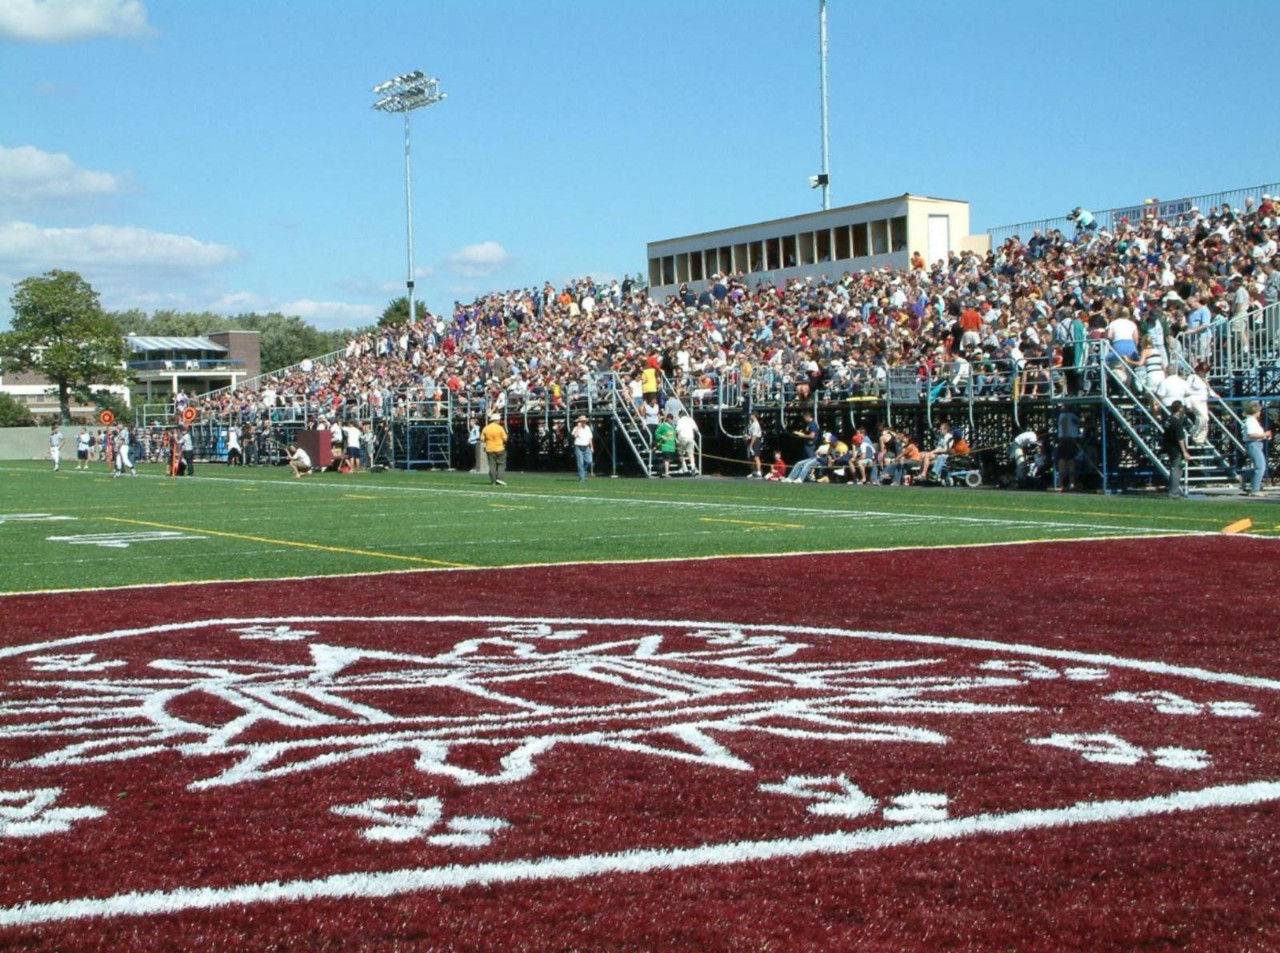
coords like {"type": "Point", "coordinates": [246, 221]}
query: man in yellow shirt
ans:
{"type": "Point", "coordinates": [494, 438]}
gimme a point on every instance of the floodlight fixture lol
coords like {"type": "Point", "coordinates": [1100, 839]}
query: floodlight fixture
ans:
{"type": "Point", "coordinates": [407, 93]}
{"type": "Point", "coordinates": [403, 94]}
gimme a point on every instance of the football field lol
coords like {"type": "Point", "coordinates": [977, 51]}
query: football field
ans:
{"type": "Point", "coordinates": [410, 711]}
{"type": "Point", "coordinates": [83, 529]}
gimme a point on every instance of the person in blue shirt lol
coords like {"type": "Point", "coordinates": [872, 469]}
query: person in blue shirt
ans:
{"type": "Point", "coordinates": [1198, 320]}
{"type": "Point", "coordinates": [810, 433]}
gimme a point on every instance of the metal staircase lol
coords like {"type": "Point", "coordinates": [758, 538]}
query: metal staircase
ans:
{"type": "Point", "coordinates": [1141, 420]}
{"type": "Point", "coordinates": [629, 423]}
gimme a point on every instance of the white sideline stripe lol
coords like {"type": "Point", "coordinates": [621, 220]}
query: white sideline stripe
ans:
{"type": "Point", "coordinates": [321, 486]}
{"type": "Point", "coordinates": [408, 880]}
{"type": "Point", "coordinates": [656, 560]}
{"type": "Point", "coordinates": [748, 507]}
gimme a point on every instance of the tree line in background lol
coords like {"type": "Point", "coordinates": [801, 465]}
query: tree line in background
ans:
{"type": "Point", "coordinates": [60, 331]}
{"type": "Point", "coordinates": [283, 340]}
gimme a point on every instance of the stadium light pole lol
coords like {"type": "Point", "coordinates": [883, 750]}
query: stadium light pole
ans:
{"type": "Point", "coordinates": [825, 176]}
{"type": "Point", "coordinates": [403, 94]}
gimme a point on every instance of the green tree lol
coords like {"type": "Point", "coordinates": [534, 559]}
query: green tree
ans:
{"type": "Point", "coordinates": [285, 340]}
{"type": "Point", "coordinates": [60, 331]}
{"type": "Point", "coordinates": [109, 400]}
{"type": "Point", "coordinates": [397, 312]}
{"type": "Point", "coordinates": [14, 413]}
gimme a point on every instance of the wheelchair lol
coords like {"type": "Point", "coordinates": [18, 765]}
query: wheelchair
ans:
{"type": "Point", "coordinates": [961, 469]}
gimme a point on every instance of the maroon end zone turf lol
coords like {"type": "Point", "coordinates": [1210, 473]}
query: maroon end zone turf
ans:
{"type": "Point", "coordinates": [1027, 747]}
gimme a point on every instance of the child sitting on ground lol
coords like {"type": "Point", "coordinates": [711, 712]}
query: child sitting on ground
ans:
{"type": "Point", "coordinates": [778, 471]}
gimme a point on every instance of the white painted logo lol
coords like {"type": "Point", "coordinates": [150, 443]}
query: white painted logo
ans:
{"type": "Point", "coordinates": [33, 814]}
{"type": "Point", "coordinates": [123, 540]}
{"type": "Point", "coordinates": [413, 727]}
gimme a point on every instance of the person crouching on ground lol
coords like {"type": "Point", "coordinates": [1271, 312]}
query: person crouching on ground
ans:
{"type": "Point", "coordinates": [299, 460]}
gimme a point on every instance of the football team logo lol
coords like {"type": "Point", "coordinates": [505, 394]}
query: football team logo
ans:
{"type": "Point", "coordinates": [258, 760]}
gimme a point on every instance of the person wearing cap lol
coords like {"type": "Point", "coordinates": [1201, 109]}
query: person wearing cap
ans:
{"type": "Point", "coordinates": [494, 437]}
{"type": "Point", "coordinates": [584, 442]}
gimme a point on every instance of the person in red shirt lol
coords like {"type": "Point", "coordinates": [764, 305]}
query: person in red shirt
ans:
{"type": "Point", "coordinates": [778, 471]}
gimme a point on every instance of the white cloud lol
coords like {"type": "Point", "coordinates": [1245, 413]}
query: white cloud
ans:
{"type": "Point", "coordinates": [31, 176]}
{"type": "Point", "coordinates": [240, 302]}
{"type": "Point", "coordinates": [64, 21]}
{"type": "Point", "coordinates": [479, 261]}
{"type": "Point", "coordinates": [330, 315]}
{"type": "Point", "coordinates": [111, 247]}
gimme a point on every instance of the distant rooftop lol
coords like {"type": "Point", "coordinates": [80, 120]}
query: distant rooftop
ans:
{"type": "Point", "coordinates": [146, 345]}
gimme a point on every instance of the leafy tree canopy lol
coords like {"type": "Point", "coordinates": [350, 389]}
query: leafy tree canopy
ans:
{"type": "Point", "coordinates": [14, 413]}
{"type": "Point", "coordinates": [283, 340]}
{"type": "Point", "coordinates": [397, 312]}
{"type": "Point", "coordinates": [60, 331]}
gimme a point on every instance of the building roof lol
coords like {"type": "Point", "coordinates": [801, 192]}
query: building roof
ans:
{"type": "Point", "coordinates": [816, 215]}
{"type": "Point", "coordinates": [140, 345]}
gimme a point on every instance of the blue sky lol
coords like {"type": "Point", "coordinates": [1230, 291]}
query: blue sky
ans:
{"type": "Point", "coordinates": [222, 154]}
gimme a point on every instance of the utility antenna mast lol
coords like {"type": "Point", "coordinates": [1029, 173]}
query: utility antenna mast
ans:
{"type": "Point", "coordinates": [823, 179]}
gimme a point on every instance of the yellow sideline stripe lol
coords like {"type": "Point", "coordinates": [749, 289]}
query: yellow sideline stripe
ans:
{"type": "Point", "coordinates": [712, 519]}
{"type": "Point", "coordinates": [292, 542]}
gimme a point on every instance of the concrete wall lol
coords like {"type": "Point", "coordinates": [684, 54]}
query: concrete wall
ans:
{"type": "Point", "coordinates": [32, 443]}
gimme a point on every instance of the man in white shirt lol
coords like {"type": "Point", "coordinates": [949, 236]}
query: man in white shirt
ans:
{"type": "Point", "coordinates": [686, 443]}
{"type": "Point", "coordinates": [124, 453]}
{"type": "Point", "coordinates": [354, 453]}
{"type": "Point", "coordinates": [583, 446]}
{"type": "Point", "coordinates": [55, 447]}
{"type": "Point", "coordinates": [82, 449]}
{"type": "Point", "coordinates": [235, 456]}
{"type": "Point", "coordinates": [1173, 387]}
{"type": "Point", "coordinates": [299, 461]}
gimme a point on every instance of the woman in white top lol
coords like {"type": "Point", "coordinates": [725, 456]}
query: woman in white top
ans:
{"type": "Point", "coordinates": [1255, 438]}
{"type": "Point", "coordinates": [1197, 402]}
{"type": "Point", "coordinates": [1123, 334]}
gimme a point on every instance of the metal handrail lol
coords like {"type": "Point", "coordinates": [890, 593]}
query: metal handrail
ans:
{"type": "Point", "coordinates": [1109, 218]}
{"type": "Point", "coordinates": [1237, 343]}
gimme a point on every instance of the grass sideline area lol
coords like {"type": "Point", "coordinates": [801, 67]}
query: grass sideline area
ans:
{"type": "Point", "coordinates": [85, 530]}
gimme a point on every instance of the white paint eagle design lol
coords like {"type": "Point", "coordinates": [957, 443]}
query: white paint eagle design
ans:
{"type": "Point", "coordinates": [488, 700]}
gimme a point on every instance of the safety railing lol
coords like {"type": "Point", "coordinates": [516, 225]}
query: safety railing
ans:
{"type": "Point", "coordinates": [1233, 344]}
{"type": "Point", "coordinates": [1108, 219]}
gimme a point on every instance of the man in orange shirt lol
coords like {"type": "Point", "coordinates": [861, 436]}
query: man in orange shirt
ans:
{"type": "Point", "coordinates": [494, 437]}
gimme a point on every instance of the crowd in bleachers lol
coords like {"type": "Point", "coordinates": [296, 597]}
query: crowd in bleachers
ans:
{"type": "Point", "coordinates": [1015, 318]}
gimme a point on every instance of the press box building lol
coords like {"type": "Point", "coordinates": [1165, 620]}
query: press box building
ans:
{"type": "Point", "coordinates": [829, 242]}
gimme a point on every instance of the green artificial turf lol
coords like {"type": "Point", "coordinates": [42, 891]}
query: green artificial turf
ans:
{"type": "Point", "coordinates": [226, 524]}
